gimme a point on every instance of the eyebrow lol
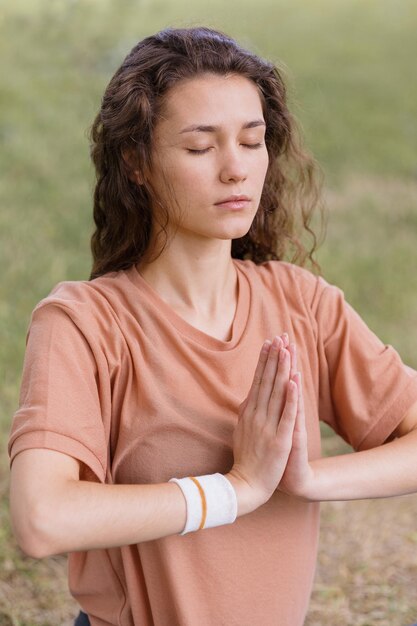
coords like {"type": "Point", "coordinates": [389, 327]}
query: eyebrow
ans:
{"type": "Point", "coordinates": [208, 128]}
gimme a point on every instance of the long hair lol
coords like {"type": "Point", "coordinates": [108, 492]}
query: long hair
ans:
{"type": "Point", "coordinates": [129, 111]}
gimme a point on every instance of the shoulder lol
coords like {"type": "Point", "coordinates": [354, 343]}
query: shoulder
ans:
{"type": "Point", "coordinates": [295, 283]}
{"type": "Point", "coordinates": [80, 291]}
{"type": "Point", "coordinates": [85, 303]}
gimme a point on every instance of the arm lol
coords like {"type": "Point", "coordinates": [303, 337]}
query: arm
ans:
{"type": "Point", "coordinates": [381, 472]}
{"type": "Point", "coordinates": [53, 512]}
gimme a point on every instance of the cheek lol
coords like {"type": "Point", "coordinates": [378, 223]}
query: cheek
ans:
{"type": "Point", "coordinates": [170, 180]}
{"type": "Point", "coordinates": [261, 169]}
{"type": "Point", "coordinates": [189, 178]}
{"type": "Point", "coordinates": [265, 162]}
{"type": "Point", "coordinates": [184, 186]}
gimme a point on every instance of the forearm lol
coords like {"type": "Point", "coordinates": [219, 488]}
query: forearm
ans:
{"type": "Point", "coordinates": [385, 471]}
{"type": "Point", "coordinates": [94, 515]}
{"type": "Point", "coordinates": [79, 515]}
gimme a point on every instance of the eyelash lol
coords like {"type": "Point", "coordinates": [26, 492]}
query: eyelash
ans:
{"type": "Point", "coordinates": [251, 146]}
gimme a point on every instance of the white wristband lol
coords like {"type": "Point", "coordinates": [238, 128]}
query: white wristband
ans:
{"type": "Point", "coordinates": [211, 501]}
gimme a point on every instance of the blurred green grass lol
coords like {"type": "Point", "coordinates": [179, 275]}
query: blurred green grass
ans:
{"type": "Point", "coordinates": [351, 76]}
{"type": "Point", "coordinates": [350, 67]}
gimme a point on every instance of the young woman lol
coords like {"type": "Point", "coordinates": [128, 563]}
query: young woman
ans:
{"type": "Point", "coordinates": [168, 435]}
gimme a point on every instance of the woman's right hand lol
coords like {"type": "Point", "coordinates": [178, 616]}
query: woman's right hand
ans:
{"type": "Point", "coordinates": [262, 439]}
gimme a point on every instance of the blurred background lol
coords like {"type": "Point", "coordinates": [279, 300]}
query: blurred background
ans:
{"type": "Point", "coordinates": [350, 68]}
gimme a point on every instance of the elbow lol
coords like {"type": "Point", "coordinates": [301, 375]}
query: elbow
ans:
{"type": "Point", "coordinates": [31, 547]}
{"type": "Point", "coordinates": [33, 533]}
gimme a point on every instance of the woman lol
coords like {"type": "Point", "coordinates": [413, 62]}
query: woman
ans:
{"type": "Point", "coordinates": [160, 440]}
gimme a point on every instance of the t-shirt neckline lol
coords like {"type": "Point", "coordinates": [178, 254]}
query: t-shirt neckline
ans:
{"type": "Point", "coordinates": [239, 321]}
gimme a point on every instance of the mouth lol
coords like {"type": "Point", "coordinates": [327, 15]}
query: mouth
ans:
{"type": "Point", "coordinates": [234, 202]}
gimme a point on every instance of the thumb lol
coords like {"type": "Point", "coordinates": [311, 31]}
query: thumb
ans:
{"type": "Point", "coordinates": [242, 406]}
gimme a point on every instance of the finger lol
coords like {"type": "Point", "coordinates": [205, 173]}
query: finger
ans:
{"type": "Point", "coordinates": [243, 404]}
{"type": "Point", "coordinates": [285, 339]}
{"type": "Point", "coordinates": [300, 421]}
{"type": "Point", "coordinates": [299, 438]}
{"type": "Point", "coordinates": [293, 352]}
{"type": "Point", "coordinates": [242, 407]}
{"type": "Point", "coordinates": [257, 378]}
{"type": "Point", "coordinates": [268, 378]}
{"type": "Point", "coordinates": [278, 394]}
{"type": "Point", "coordinates": [286, 424]}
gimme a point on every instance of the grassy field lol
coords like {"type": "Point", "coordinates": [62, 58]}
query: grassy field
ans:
{"type": "Point", "coordinates": [350, 65]}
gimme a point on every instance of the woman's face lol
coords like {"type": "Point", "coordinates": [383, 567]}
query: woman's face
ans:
{"type": "Point", "coordinates": [204, 166]}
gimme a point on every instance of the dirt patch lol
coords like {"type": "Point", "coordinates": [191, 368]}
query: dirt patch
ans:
{"type": "Point", "coordinates": [367, 567]}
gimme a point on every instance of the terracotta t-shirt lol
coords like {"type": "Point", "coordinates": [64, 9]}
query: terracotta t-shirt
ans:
{"type": "Point", "coordinates": [114, 377]}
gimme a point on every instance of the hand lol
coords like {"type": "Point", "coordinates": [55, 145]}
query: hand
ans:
{"type": "Point", "coordinates": [285, 344]}
{"type": "Point", "coordinates": [298, 475]}
{"type": "Point", "coordinates": [262, 439]}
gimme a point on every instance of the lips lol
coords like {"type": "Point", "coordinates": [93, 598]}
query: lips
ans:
{"type": "Point", "coordinates": [233, 199]}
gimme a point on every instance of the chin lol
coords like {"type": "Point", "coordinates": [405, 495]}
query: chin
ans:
{"type": "Point", "coordinates": [236, 231]}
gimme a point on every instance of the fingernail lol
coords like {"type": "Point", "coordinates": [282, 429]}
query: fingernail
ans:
{"type": "Point", "coordinates": [266, 345]}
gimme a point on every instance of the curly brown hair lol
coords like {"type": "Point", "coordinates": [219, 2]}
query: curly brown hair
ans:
{"type": "Point", "coordinates": [130, 108]}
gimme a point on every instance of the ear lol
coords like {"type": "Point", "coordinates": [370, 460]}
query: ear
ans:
{"type": "Point", "coordinates": [133, 172]}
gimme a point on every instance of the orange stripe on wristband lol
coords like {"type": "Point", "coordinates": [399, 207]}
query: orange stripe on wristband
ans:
{"type": "Point", "coordinates": [203, 501]}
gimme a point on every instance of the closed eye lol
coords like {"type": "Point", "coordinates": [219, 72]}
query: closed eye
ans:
{"type": "Point", "coordinates": [251, 146]}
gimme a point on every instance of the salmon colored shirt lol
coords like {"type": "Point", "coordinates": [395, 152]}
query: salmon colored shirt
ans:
{"type": "Point", "coordinates": [114, 377]}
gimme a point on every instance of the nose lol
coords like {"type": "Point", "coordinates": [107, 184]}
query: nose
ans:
{"type": "Point", "coordinates": [234, 166]}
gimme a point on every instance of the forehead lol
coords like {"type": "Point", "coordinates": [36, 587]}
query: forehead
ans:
{"type": "Point", "coordinates": [211, 99]}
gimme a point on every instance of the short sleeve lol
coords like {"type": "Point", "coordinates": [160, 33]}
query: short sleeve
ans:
{"type": "Point", "coordinates": [364, 387]}
{"type": "Point", "coordinates": [60, 405]}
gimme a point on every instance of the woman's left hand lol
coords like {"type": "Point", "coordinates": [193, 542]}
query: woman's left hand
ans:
{"type": "Point", "coordinates": [298, 475]}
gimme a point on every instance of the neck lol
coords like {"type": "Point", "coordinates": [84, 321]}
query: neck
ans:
{"type": "Point", "coordinates": [200, 278]}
